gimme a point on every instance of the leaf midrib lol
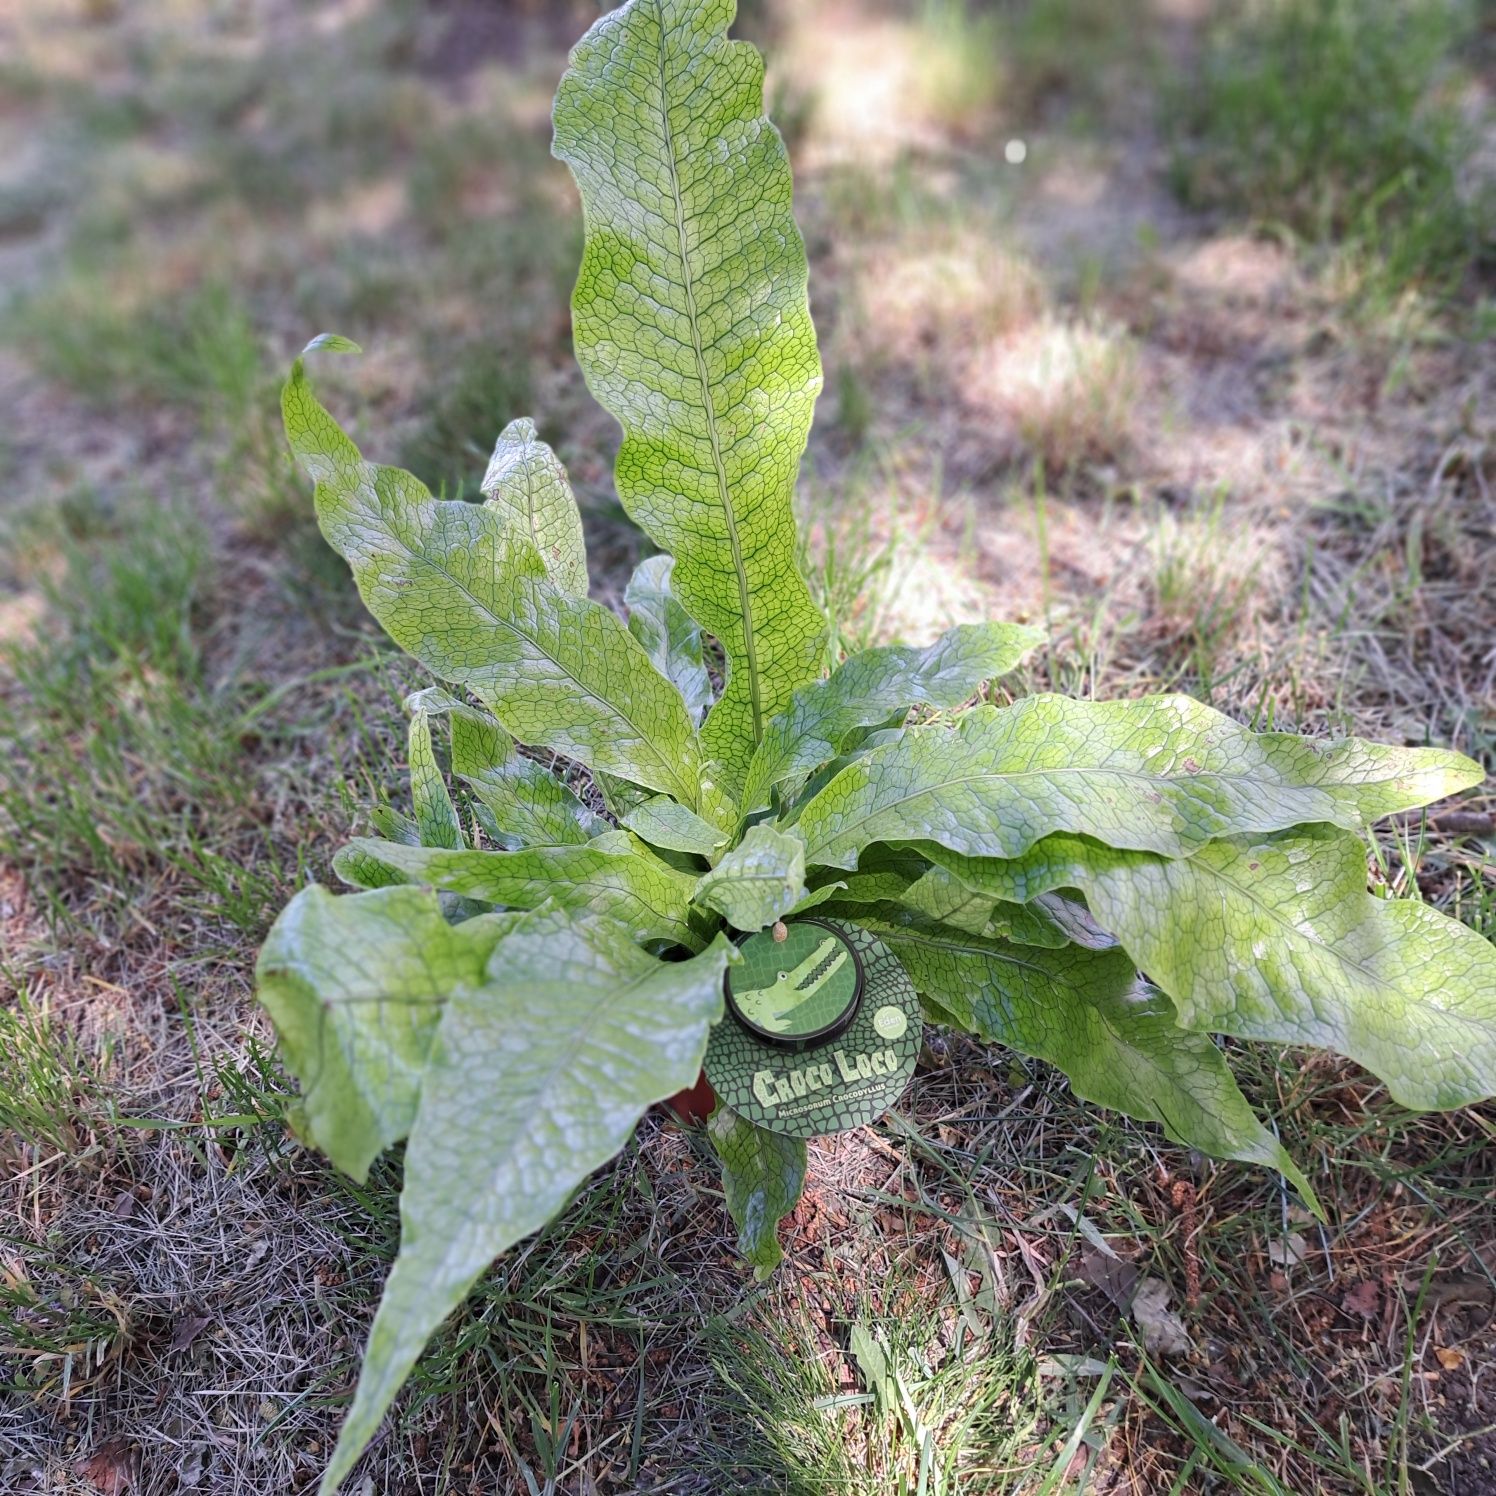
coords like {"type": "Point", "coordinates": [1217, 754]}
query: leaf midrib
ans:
{"type": "Point", "coordinates": [883, 807]}
{"type": "Point", "coordinates": [608, 999]}
{"type": "Point", "coordinates": [530, 510]}
{"type": "Point", "coordinates": [598, 865]}
{"type": "Point", "coordinates": [745, 600]}
{"type": "Point", "coordinates": [680, 787]}
{"type": "Point", "coordinates": [963, 948]}
{"type": "Point", "coordinates": [1308, 935]}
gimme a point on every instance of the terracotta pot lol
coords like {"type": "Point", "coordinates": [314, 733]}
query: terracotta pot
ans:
{"type": "Point", "coordinates": [695, 1103]}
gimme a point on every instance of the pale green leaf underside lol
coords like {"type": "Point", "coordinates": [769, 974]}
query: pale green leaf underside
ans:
{"type": "Point", "coordinates": [763, 1174]}
{"type": "Point", "coordinates": [331, 342]}
{"type": "Point", "coordinates": [863, 743]}
{"type": "Point", "coordinates": [467, 594]}
{"type": "Point", "coordinates": [692, 326]}
{"type": "Point", "coordinates": [759, 881]}
{"type": "Point", "coordinates": [529, 804]}
{"type": "Point", "coordinates": [1163, 774]}
{"type": "Point", "coordinates": [435, 817]}
{"type": "Point", "coordinates": [612, 875]}
{"type": "Point", "coordinates": [1087, 1013]}
{"type": "Point", "coordinates": [1049, 920]}
{"type": "Point", "coordinates": [619, 795]}
{"type": "Point", "coordinates": [355, 986]}
{"type": "Point", "coordinates": [670, 636]}
{"type": "Point", "coordinates": [527, 485]}
{"type": "Point", "coordinates": [866, 688]}
{"type": "Point", "coordinates": [663, 823]}
{"type": "Point", "coordinates": [884, 874]}
{"type": "Point", "coordinates": [1276, 938]}
{"type": "Point", "coordinates": [537, 1076]}
{"type": "Point", "coordinates": [1057, 861]}
{"type": "Point", "coordinates": [827, 893]}
{"type": "Point", "coordinates": [889, 875]}
{"type": "Point", "coordinates": [393, 825]}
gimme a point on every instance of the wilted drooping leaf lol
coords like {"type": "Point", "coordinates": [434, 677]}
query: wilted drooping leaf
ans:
{"type": "Point", "coordinates": [1276, 938]}
{"type": "Point", "coordinates": [356, 987]}
{"type": "Point", "coordinates": [1087, 1012]}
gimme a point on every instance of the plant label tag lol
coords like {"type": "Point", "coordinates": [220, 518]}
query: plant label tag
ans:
{"type": "Point", "coordinates": [821, 1033]}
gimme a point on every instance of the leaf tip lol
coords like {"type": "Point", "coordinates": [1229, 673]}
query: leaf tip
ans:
{"type": "Point", "coordinates": [1308, 1196]}
{"type": "Point", "coordinates": [330, 342]}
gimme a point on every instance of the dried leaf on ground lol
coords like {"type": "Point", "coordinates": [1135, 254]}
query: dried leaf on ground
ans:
{"type": "Point", "coordinates": [1115, 1278]}
{"type": "Point", "coordinates": [110, 1469]}
{"type": "Point", "coordinates": [1288, 1251]}
{"type": "Point", "coordinates": [186, 1330]}
{"type": "Point", "coordinates": [1364, 1299]}
{"type": "Point", "coordinates": [1164, 1333]}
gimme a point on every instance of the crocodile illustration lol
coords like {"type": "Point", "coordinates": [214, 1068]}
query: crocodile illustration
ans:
{"type": "Point", "coordinates": [788, 1006]}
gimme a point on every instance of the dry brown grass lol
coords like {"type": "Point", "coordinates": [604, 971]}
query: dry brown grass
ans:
{"type": "Point", "coordinates": [1069, 389]}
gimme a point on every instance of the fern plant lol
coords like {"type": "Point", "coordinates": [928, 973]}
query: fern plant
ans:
{"type": "Point", "coordinates": [523, 974]}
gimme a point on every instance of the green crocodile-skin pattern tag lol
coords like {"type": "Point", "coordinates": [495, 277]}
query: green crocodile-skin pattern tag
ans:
{"type": "Point", "coordinates": [798, 989]}
{"type": "Point", "coordinates": [825, 1085]}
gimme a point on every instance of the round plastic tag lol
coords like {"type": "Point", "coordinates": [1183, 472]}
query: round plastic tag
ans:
{"type": "Point", "coordinates": [821, 1033]}
{"type": "Point", "coordinates": [798, 990]}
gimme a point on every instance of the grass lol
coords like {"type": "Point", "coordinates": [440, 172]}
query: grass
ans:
{"type": "Point", "coordinates": [901, 1402]}
{"type": "Point", "coordinates": [193, 714]}
{"type": "Point", "coordinates": [957, 49]}
{"type": "Point", "coordinates": [1206, 590]}
{"type": "Point", "coordinates": [1340, 121]}
{"type": "Point", "coordinates": [486, 388]}
{"type": "Point", "coordinates": [1067, 388]}
{"type": "Point", "coordinates": [51, 1102]}
{"type": "Point", "coordinates": [117, 762]}
{"type": "Point", "coordinates": [197, 353]}
{"type": "Point", "coordinates": [975, 63]}
{"type": "Point", "coordinates": [197, 356]}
